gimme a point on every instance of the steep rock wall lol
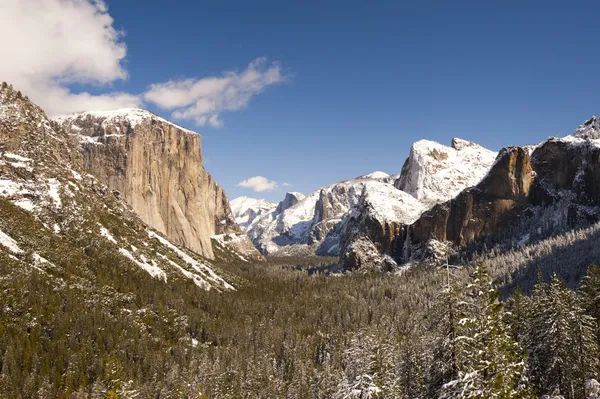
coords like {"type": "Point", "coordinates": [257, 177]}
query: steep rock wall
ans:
{"type": "Point", "coordinates": [156, 167]}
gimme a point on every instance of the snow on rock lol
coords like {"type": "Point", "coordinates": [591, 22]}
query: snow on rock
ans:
{"type": "Point", "coordinates": [9, 243]}
{"type": "Point", "coordinates": [105, 233]}
{"type": "Point", "coordinates": [197, 279]}
{"type": "Point", "coordinates": [53, 192]}
{"type": "Point", "coordinates": [133, 116]}
{"type": "Point", "coordinates": [26, 204]}
{"type": "Point", "coordinates": [151, 267]}
{"type": "Point", "coordinates": [315, 223]}
{"type": "Point", "coordinates": [377, 175]}
{"type": "Point", "coordinates": [198, 267]}
{"type": "Point", "coordinates": [590, 129]}
{"type": "Point", "coordinates": [245, 210]}
{"type": "Point", "coordinates": [435, 173]}
{"type": "Point", "coordinates": [387, 204]}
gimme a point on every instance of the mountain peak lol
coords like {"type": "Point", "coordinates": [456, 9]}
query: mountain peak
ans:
{"type": "Point", "coordinates": [131, 116]}
{"type": "Point", "coordinates": [590, 129]}
{"type": "Point", "coordinates": [435, 172]}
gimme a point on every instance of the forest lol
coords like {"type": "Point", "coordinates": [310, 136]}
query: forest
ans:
{"type": "Point", "coordinates": [423, 332]}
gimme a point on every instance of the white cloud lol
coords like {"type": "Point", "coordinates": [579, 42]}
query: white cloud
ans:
{"type": "Point", "coordinates": [258, 184]}
{"type": "Point", "coordinates": [286, 184]}
{"type": "Point", "coordinates": [203, 100]}
{"type": "Point", "coordinates": [49, 44]}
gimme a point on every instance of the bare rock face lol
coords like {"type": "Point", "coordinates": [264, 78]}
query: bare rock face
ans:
{"type": "Point", "coordinates": [291, 199]}
{"type": "Point", "coordinates": [480, 210]}
{"type": "Point", "coordinates": [156, 167]}
{"type": "Point", "coordinates": [562, 173]}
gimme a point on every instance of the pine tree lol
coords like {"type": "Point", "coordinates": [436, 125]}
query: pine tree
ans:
{"type": "Point", "coordinates": [491, 364]}
{"type": "Point", "coordinates": [589, 292]}
{"type": "Point", "coordinates": [444, 323]}
{"type": "Point", "coordinates": [517, 313]}
{"type": "Point", "coordinates": [563, 351]}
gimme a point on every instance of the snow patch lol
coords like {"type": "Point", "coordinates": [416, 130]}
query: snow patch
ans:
{"type": "Point", "coordinates": [197, 266]}
{"type": "Point", "coordinates": [53, 192]}
{"type": "Point", "coordinates": [152, 268]}
{"type": "Point", "coordinates": [8, 242]}
{"type": "Point", "coordinates": [105, 233]}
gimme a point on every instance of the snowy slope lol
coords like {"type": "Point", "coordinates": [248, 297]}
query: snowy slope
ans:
{"type": "Point", "coordinates": [316, 223]}
{"type": "Point", "coordinates": [435, 173]}
{"type": "Point", "coordinates": [46, 195]}
{"type": "Point", "coordinates": [245, 210]}
{"type": "Point", "coordinates": [133, 116]}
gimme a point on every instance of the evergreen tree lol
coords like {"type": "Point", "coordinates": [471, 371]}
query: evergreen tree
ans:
{"type": "Point", "coordinates": [444, 323]}
{"type": "Point", "coordinates": [563, 352]}
{"type": "Point", "coordinates": [490, 363]}
{"type": "Point", "coordinates": [589, 292]}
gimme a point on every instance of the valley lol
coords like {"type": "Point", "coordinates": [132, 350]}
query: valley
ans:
{"type": "Point", "coordinates": [126, 272]}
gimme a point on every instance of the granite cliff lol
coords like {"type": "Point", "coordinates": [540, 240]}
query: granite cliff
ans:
{"type": "Point", "coordinates": [156, 167]}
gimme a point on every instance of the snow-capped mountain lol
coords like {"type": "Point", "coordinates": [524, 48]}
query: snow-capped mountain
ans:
{"type": "Point", "coordinates": [590, 129]}
{"type": "Point", "coordinates": [308, 224]}
{"type": "Point", "coordinates": [246, 210]}
{"type": "Point", "coordinates": [435, 173]}
{"type": "Point", "coordinates": [328, 219]}
{"type": "Point", "coordinates": [64, 222]}
{"type": "Point", "coordinates": [156, 166]}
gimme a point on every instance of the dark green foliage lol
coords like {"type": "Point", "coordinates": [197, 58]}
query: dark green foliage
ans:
{"type": "Point", "coordinates": [94, 328]}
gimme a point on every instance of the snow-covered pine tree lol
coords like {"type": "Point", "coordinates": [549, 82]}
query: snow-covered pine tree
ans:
{"type": "Point", "coordinates": [444, 325]}
{"type": "Point", "coordinates": [517, 314]}
{"type": "Point", "coordinates": [589, 294]}
{"type": "Point", "coordinates": [563, 351]}
{"type": "Point", "coordinates": [490, 363]}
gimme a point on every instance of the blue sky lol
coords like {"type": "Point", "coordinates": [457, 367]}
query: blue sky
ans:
{"type": "Point", "coordinates": [361, 81]}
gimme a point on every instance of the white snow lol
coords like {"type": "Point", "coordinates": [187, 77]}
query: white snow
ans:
{"type": "Point", "coordinates": [197, 266]}
{"type": "Point", "coordinates": [152, 268]}
{"type": "Point", "coordinates": [388, 204]}
{"type": "Point", "coordinates": [134, 116]}
{"type": "Point", "coordinates": [197, 279]}
{"type": "Point", "coordinates": [26, 204]}
{"type": "Point", "coordinates": [16, 157]}
{"type": "Point", "coordinates": [246, 210]}
{"type": "Point", "coordinates": [53, 192]}
{"type": "Point", "coordinates": [377, 175]}
{"type": "Point", "coordinates": [436, 173]}
{"type": "Point", "coordinates": [9, 187]}
{"type": "Point", "coordinates": [9, 243]}
{"type": "Point", "coordinates": [76, 175]}
{"type": "Point", "coordinates": [105, 233]}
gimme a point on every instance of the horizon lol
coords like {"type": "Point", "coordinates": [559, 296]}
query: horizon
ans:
{"type": "Point", "coordinates": [342, 89]}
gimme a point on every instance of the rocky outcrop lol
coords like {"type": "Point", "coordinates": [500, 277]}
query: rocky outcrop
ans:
{"type": "Point", "coordinates": [156, 167]}
{"type": "Point", "coordinates": [291, 199]}
{"type": "Point", "coordinates": [560, 173]}
{"type": "Point", "coordinates": [62, 221]}
{"type": "Point", "coordinates": [435, 173]}
{"type": "Point", "coordinates": [479, 210]}
{"type": "Point", "coordinates": [373, 227]}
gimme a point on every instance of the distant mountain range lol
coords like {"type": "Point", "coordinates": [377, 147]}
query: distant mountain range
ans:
{"type": "Point", "coordinates": [463, 194]}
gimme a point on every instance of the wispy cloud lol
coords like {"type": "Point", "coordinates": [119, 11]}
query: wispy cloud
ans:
{"type": "Point", "coordinates": [286, 184]}
{"type": "Point", "coordinates": [203, 100]}
{"type": "Point", "coordinates": [258, 184]}
{"type": "Point", "coordinates": [61, 43]}
{"type": "Point", "coordinates": [65, 42]}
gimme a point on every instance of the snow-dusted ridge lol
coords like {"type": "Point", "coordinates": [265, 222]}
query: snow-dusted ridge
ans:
{"type": "Point", "coordinates": [133, 116]}
{"type": "Point", "coordinates": [57, 202]}
{"type": "Point", "coordinates": [433, 173]}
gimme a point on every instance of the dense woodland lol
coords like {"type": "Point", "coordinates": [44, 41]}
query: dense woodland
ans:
{"type": "Point", "coordinates": [422, 333]}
